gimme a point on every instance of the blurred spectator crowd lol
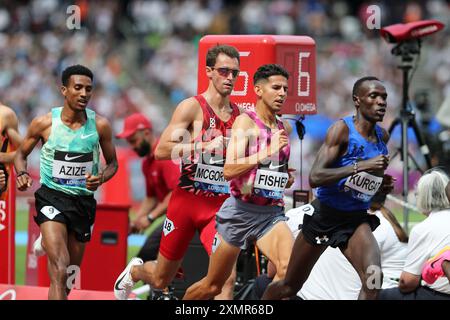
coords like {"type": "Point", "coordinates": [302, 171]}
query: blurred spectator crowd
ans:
{"type": "Point", "coordinates": [144, 52]}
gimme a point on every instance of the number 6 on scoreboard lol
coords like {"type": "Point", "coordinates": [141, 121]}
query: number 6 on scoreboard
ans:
{"type": "Point", "coordinates": [303, 74]}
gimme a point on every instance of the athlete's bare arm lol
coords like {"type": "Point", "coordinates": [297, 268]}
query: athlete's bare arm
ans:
{"type": "Point", "coordinates": [335, 146]}
{"type": "Point", "coordinates": [243, 130]}
{"type": "Point", "coordinates": [185, 125]}
{"type": "Point", "coordinates": [10, 128]}
{"type": "Point", "coordinates": [235, 164]}
{"type": "Point", "coordinates": [38, 130]}
{"type": "Point", "coordinates": [109, 154]}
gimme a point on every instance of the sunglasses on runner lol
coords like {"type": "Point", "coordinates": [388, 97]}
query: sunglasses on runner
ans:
{"type": "Point", "coordinates": [224, 72]}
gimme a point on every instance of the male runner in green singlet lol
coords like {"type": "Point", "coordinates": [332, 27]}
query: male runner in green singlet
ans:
{"type": "Point", "coordinates": [70, 173]}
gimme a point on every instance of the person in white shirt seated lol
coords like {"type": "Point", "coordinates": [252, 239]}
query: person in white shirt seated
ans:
{"type": "Point", "coordinates": [427, 239]}
{"type": "Point", "coordinates": [333, 277]}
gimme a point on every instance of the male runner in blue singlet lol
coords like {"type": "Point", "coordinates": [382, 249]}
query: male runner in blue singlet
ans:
{"type": "Point", "coordinates": [348, 172]}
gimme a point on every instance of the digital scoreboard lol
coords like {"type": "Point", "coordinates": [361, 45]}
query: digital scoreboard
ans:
{"type": "Point", "coordinates": [297, 54]}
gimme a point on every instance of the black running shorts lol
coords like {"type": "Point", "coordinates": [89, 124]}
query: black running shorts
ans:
{"type": "Point", "coordinates": [76, 212]}
{"type": "Point", "coordinates": [324, 225]}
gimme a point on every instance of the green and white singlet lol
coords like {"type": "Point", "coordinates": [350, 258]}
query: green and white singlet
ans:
{"type": "Point", "coordinates": [68, 155]}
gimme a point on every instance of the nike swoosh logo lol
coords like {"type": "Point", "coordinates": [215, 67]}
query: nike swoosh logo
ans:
{"type": "Point", "coordinates": [434, 262]}
{"type": "Point", "coordinates": [212, 161]}
{"type": "Point", "coordinates": [85, 137]}
{"type": "Point", "coordinates": [272, 167]}
{"type": "Point", "coordinates": [117, 283]}
{"type": "Point", "coordinates": [67, 158]}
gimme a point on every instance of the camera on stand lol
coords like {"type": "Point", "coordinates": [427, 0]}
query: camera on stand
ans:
{"type": "Point", "coordinates": [407, 38]}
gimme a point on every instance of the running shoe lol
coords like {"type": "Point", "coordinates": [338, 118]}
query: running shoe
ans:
{"type": "Point", "coordinates": [124, 283]}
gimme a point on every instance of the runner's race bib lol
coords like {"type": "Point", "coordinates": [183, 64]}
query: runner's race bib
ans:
{"type": "Point", "coordinates": [70, 168]}
{"type": "Point", "coordinates": [210, 178]}
{"type": "Point", "coordinates": [363, 185]}
{"type": "Point", "coordinates": [270, 184]}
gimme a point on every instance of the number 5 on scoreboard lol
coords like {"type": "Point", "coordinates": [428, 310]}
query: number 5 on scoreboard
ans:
{"type": "Point", "coordinates": [244, 74]}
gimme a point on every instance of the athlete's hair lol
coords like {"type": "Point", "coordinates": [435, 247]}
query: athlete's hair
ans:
{"type": "Point", "coordinates": [267, 70]}
{"type": "Point", "coordinates": [75, 70]}
{"type": "Point", "coordinates": [431, 191]}
{"type": "Point", "coordinates": [213, 52]}
{"type": "Point", "coordinates": [359, 83]}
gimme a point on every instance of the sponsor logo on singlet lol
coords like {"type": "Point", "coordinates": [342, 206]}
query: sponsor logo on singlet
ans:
{"type": "Point", "coordinates": [70, 168]}
{"type": "Point", "coordinates": [363, 185]}
{"type": "Point", "coordinates": [270, 184]}
{"type": "Point", "coordinates": [212, 123]}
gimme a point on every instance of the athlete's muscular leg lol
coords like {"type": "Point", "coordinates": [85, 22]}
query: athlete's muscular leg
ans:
{"type": "Point", "coordinates": [364, 254]}
{"type": "Point", "coordinates": [178, 231]}
{"type": "Point", "coordinates": [221, 264]}
{"type": "Point", "coordinates": [208, 237]}
{"type": "Point", "coordinates": [54, 242]}
{"type": "Point", "coordinates": [228, 288]}
{"type": "Point", "coordinates": [76, 252]}
{"type": "Point", "coordinates": [303, 257]}
{"type": "Point", "coordinates": [158, 274]}
{"type": "Point", "coordinates": [276, 245]}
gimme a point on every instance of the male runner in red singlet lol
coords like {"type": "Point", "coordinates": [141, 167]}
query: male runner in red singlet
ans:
{"type": "Point", "coordinates": [197, 133]}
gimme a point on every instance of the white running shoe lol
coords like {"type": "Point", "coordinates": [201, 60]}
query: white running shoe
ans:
{"type": "Point", "coordinates": [124, 283]}
{"type": "Point", "coordinates": [38, 250]}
